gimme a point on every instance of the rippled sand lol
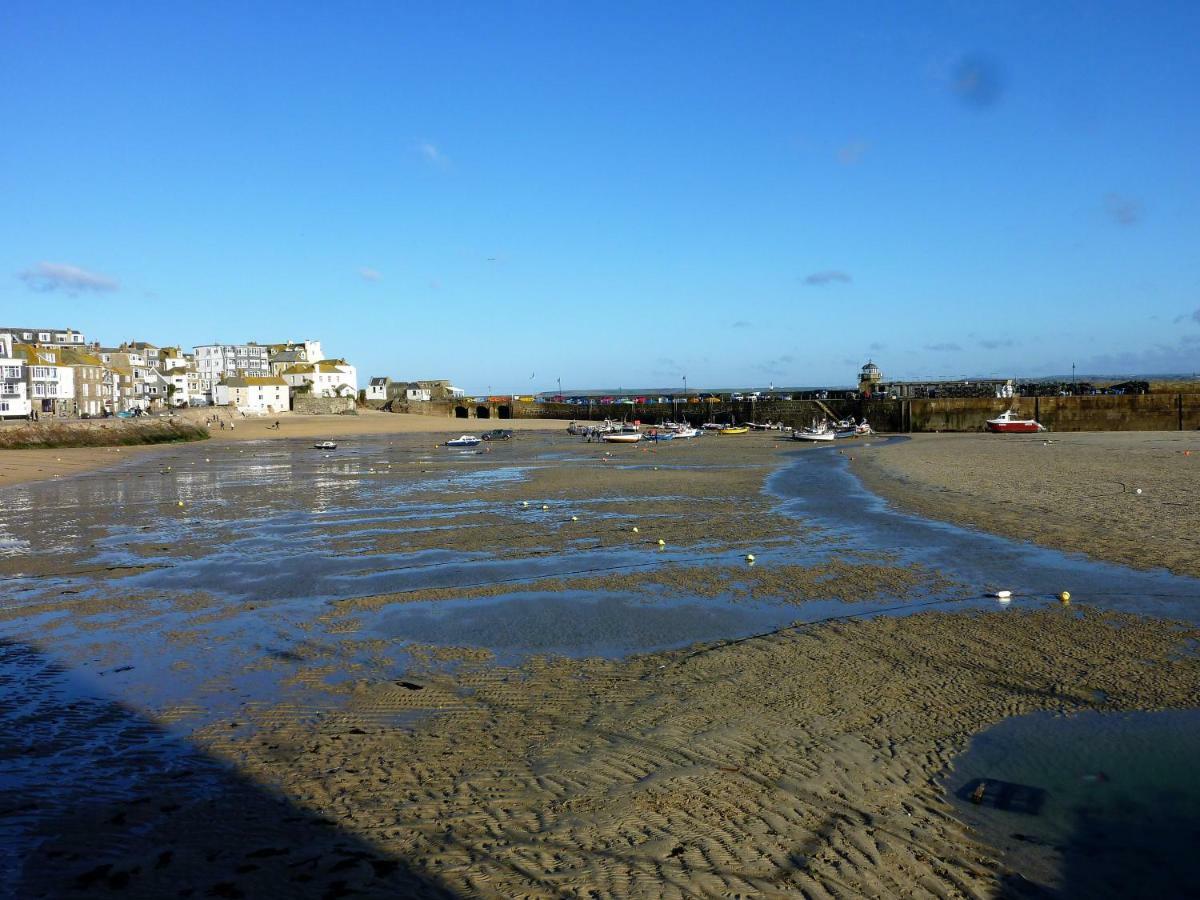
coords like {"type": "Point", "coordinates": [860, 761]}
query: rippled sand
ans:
{"type": "Point", "coordinates": [804, 762]}
{"type": "Point", "coordinates": [1076, 492]}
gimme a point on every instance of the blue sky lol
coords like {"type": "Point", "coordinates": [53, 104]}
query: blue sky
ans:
{"type": "Point", "coordinates": [614, 194]}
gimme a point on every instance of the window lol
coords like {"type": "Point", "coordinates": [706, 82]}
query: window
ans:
{"type": "Point", "coordinates": [44, 336]}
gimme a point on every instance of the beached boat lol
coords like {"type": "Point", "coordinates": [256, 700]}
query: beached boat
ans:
{"type": "Point", "coordinates": [325, 445]}
{"type": "Point", "coordinates": [660, 435]}
{"type": "Point", "coordinates": [848, 429]}
{"type": "Point", "coordinates": [687, 432]}
{"type": "Point", "coordinates": [1008, 423]}
{"type": "Point", "coordinates": [713, 426]}
{"type": "Point", "coordinates": [803, 434]}
{"type": "Point", "coordinates": [621, 437]}
{"type": "Point", "coordinates": [734, 429]}
{"type": "Point", "coordinates": [818, 431]}
{"type": "Point", "coordinates": [466, 440]}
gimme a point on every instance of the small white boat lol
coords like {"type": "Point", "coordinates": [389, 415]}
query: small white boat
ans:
{"type": "Point", "coordinates": [817, 431]}
{"type": "Point", "coordinates": [713, 426]}
{"type": "Point", "coordinates": [325, 445]}
{"type": "Point", "coordinates": [687, 432]}
{"type": "Point", "coordinates": [619, 437]}
{"type": "Point", "coordinates": [1008, 423]}
{"type": "Point", "coordinates": [804, 434]}
{"type": "Point", "coordinates": [466, 440]}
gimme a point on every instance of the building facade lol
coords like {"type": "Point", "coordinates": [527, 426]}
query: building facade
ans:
{"type": "Point", "coordinates": [67, 336]}
{"type": "Point", "coordinates": [327, 378]}
{"type": "Point", "coordinates": [14, 396]}
{"type": "Point", "coordinates": [254, 393]}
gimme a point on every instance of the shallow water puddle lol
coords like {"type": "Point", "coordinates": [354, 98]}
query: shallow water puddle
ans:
{"type": "Point", "coordinates": [820, 488]}
{"type": "Point", "coordinates": [1081, 804]}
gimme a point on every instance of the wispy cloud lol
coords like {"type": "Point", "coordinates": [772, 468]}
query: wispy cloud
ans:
{"type": "Point", "coordinates": [740, 323]}
{"type": "Point", "coordinates": [995, 344]}
{"type": "Point", "coordinates": [433, 155]}
{"type": "Point", "coordinates": [947, 347]}
{"type": "Point", "coordinates": [977, 82]}
{"type": "Point", "coordinates": [831, 276]}
{"type": "Point", "coordinates": [1123, 210]}
{"type": "Point", "coordinates": [780, 365]}
{"type": "Point", "coordinates": [48, 276]}
{"type": "Point", "coordinates": [852, 152]}
{"type": "Point", "coordinates": [369, 274]}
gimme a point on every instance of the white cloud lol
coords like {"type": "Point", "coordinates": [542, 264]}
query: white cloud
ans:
{"type": "Point", "coordinates": [433, 155]}
{"type": "Point", "coordinates": [369, 274]}
{"type": "Point", "coordinates": [829, 276]}
{"type": "Point", "coordinates": [48, 276]}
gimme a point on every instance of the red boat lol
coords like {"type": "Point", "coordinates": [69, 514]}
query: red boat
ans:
{"type": "Point", "coordinates": [1008, 423]}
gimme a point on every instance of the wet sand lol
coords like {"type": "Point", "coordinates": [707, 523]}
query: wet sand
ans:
{"type": "Point", "coordinates": [23, 466]}
{"type": "Point", "coordinates": [806, 762]}
{"type": "Point", "coordinates": [1074, 492]}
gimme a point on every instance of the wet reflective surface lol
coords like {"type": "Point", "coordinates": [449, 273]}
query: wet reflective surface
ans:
{"type": "Point", "coordinates": [819, 487]}
{"type": "Point", "coordinates": [1087, 803]}
{"type": "Point", "coordinates": [198, 585]}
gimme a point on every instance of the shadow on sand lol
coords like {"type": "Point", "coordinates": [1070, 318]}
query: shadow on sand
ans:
{"type": "Point", "coordinates": [95, 800]}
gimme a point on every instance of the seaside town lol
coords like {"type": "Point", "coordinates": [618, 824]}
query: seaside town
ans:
{"type": "Point", "coordinates": [599, 450]}
{"type": "Point", "coordinates": [56, 372]}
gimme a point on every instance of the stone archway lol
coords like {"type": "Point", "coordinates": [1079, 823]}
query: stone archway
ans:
{"type": "Point", "coordinates": [482, 412]}
{"type": "Point", "coordinates": [504, 412]}
{"type": "Point", "coordinates": [461, 412]}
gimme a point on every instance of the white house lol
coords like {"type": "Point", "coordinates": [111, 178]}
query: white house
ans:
{"type": "Point", "coordinates": [415, 393]}
{"type": "Point", "coordinates": [377, 389]}
{"type": "Point", "coordinates": [66, 336]}
{"type": "Point", "coordinates": [173, 385]}
{"type": "Point", "coordinates": [327, 378]}
{"type": "Point", "coordinates": [216, 361]}
{"type": "Point", "coordinates": [50, 381]}
{"type": "Point", "coordinates": [253, 393]}
{"type": "Point", "coordinates": [284, 356]}
{"type": "Point", "coordinates": [14, 397]}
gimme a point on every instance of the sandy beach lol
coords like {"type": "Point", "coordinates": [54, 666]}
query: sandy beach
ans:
{"type": "Point", "coordinates": [351, 744]}
{"type": "Point", "coordinates": [1128, 497]}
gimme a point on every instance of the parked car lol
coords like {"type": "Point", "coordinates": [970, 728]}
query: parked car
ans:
{"type": "Point", "coordinates": [498, 434]}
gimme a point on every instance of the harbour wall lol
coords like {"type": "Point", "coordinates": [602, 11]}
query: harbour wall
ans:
{"type": "Point", "coordinates": [1145, 412]}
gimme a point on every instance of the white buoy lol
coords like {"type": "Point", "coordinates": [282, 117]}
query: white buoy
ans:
{"type": "Point", "coordinates": [1003, 595]}
{"type": "Point", "coordinates": [749, 557]}
{"type": "Point", "coordinates": [1138, 491]}
{"type": "Point", "coordinates": [544, 506]}
{"type": "Point", "coordinates": [574, 518]}
{"type": "Point", "coordinates": [635, 529]}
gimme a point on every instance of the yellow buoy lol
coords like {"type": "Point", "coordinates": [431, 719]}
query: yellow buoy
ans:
{"type": "Point", "coordinates": [750, 557]}
{"type": "Point", "coordinates": [1065, 596]}
{"type": "Point", "coordinates": [635, 529]}
{"type": "Point", "coordinates": [180, 503]}
{"type": "Point", "coordinates": [661, 542]}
